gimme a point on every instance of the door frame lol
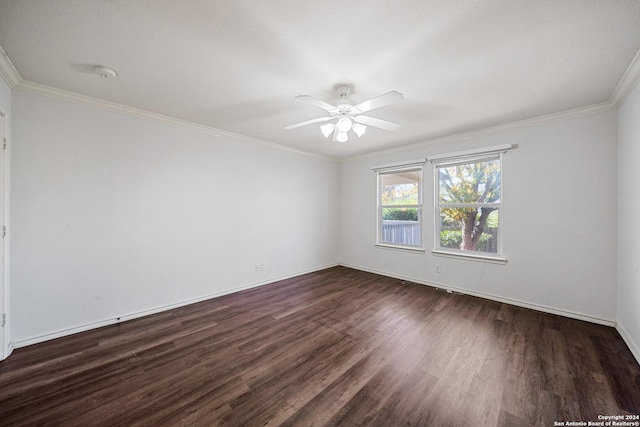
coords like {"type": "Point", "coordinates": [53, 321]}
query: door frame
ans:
{"type": "Point", "coordinates": [5, 348]}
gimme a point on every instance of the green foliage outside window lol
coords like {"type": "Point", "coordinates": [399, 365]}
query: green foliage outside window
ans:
{"type": "Point", "coordinates": [400, 214]}
{"type": "Point", "coordinates": [453, 239]}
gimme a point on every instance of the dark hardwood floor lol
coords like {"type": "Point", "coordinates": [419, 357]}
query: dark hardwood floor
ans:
{"type": "Point", "coordinates": [336, 347]}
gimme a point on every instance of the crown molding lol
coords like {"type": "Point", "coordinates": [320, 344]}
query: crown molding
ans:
{"type": "Point", "coordinates": [627, 82]}
{"type": "Point", "coordinates": [39, 89]}
{"type": "Point", "coordinates": [562, 115]}
{"type": "Point", "coordinates": [8, 71]}
{"type": "Point", "coordinates": [52, 92]}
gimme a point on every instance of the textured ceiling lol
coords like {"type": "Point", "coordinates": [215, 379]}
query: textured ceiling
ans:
{"type": "Point", "coordinates": [237, 65]}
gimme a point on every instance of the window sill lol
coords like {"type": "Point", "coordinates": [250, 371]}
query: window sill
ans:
{"type": "Point", "coordinates": [400, 248]}
{"type": "Point", "coordinates": [470, 257]}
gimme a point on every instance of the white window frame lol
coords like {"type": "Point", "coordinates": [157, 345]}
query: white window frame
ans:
{"type": "Point", "coordinates": [391, 168]}
{"type": "Point", "coordinates": [463, 157]}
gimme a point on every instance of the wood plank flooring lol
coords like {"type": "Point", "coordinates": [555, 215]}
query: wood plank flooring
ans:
{"type": "Point", "coordinates": [338, 347]}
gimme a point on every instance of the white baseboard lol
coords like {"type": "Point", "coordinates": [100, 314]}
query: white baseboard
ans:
{"type": "Point", "coordinates": [524, 304]}
{"type": "Point", "coordinates": [635, 350]}
{"type": "Point", "coordinates": [93, 325]}
{"type": "Point", "coordinates": [130, 316]}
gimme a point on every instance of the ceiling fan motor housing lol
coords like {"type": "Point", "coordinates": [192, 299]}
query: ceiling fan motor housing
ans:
{"type": "Point", "coordinates": [345, 110]}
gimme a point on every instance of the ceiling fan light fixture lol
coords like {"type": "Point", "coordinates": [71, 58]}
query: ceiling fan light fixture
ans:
{"type": "Point", "coordinates": [359, 129]}
{"type": "Point", "coordinates": [344, 124]}
{"type": "Point", "coordinates": [327, 129]}
{"type": "Point", "coordinates": [345, 116]}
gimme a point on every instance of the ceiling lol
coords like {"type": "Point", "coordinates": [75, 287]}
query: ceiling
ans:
{"type": "Point", "coordinates": [237, 65]}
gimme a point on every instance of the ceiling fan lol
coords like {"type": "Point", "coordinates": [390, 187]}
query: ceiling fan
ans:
{"type": "Point", "coordinates": [345, 116]}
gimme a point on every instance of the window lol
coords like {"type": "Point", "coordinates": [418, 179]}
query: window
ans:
{"type": "Point", "coordinates": [469, 202]}
{"type": "Point", "coordinates": [400, 205]}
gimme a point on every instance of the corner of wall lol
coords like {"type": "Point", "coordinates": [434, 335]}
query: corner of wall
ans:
{"type": "Point", "coordinates": [633, 347]}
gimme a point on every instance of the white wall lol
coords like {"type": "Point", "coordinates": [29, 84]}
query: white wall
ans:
{"type": "Point", "coordinates": [115, 215]}
{"type": "Point", "coordinates": [559, 228]}
{"type": "Point", "coordinates": [5, 336]}
{"type": "Point", "coordinates": [629, 221]}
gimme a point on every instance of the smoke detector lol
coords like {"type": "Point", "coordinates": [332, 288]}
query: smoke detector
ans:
{"type": "Point", "coordinates": [105, 72]}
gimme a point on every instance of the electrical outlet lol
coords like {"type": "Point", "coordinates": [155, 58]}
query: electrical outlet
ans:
{"type": "Point", "coordinates": [260, 267]}
{"type": "Point", "coordinates": [438, 268]}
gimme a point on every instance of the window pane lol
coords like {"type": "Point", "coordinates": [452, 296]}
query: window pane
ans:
{"type": "Point", "coordinates": [400, 188]}
{"type": "Point", "coordinates": [476, 182]}
{"type": "Point", "coordinates": [401, 226]}
{"type": "Point", "coordinates": [469, 229]}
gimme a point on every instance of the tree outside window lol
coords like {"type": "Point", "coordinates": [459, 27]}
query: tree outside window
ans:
{"type": "Point", "coordinates": [469, 201]}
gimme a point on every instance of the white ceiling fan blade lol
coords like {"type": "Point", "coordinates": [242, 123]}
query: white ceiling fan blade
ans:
{"type": "Point", "coordinates": [376, 123]}
{"type": "Point", "coordinates": [379, 101]}
{"type": "Point", "coordinates": [308, 122]}
{"type": "Point", "coordinates": [317, 102]}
